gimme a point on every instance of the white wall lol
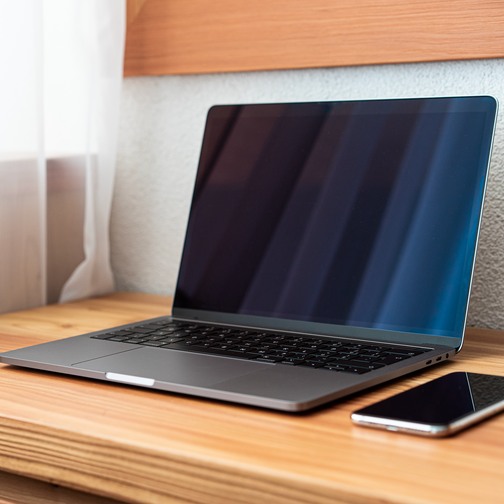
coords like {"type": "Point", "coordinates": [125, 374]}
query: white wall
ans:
{"type": "Point", "coordinates": [161, 131]}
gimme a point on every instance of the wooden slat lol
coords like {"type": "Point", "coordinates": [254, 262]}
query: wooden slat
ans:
{"type": "Point", "coordinates": [199, 36]}
{"type": "Point", "coordinates": [150, 447]}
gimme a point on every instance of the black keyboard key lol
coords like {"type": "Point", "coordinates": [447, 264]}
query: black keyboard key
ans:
{"type": "Point", "coordinates": [121, 333]}
{"type": "Point", "coordinates": [329, 346]}
{"type": "Point", "coordinates": [287, 348]}
{"type": "Point", "coordinates": [171, 340]}
{"type": "Point", "coordinates": [264, 346]}
{"type": "Point", "coordinates": [273, 341]}
{"type": "Point", "coordinates": [355, 363]}
{"type": "Point", "coordinates": [348, 353]}
{"type": "Point", "coordinates": [299, 352]}
{"type": "Point", "coordinates": [231, 341]}
{"type": "Point", "coordinates": [143, 330]}
{"type": "Point", "coordinates": [238, 348]}
{"type": "Point", "coordinates": [163, 332]}
{"type": "Point", "coordinates": [343, 358]}
{"type": "Point", "coordinates": [391, 359]}
{"type": "Point", "coordinates": [322, 353]}
{"type": "Point", "coordinates": [374, 365]}
{"type": "Point", "coordinates": [280, 353]}
{"type": "Point", "coordinates": [248, 344]}
{"type": "Point", "coordinates": [365, 358]}
{"type": "Point", "coordinates": [268, 358]}
{"type": "Point", "coordinates": [221, 346]}
{"type": "Point", "coordinates": [314, 347]}
{"type": "Point", "coordinates": [334, 367]}
{"type": "Point", "coordinates": [312, 364]}
{"type": "Point", "coordinates": [212, 339]}
{"type": "Point", "coordinates": [259, 351]}
{"type": "Point", "coordinates": [154, 337]}
{"type": "Point", "coordinates": [224, 332]}
{"type": "Point", "coordinates": [178, 334]}
{"type": "Point", "coordinates": [191, 338]}
{"type": "Point", "coordinates": [379, 348]}
{"type": "Point", "coordinates": [370, 355]}
{"type": "Point", "coordinates": [255, 339]}
{"type": "Point", "coordinates": [355, 370]}
{"type": "Point", "coordinates": [292, 361]}
{"type": "Point", "coordinates": [324, 360]}
{"type": "Point", "coordinates": [353, 347]}
{"type": "Point", "coordinates": [205, 334]}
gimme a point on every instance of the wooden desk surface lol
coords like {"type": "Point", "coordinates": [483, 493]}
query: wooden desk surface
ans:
{"type": "Point", "coordinates": [64, 437]}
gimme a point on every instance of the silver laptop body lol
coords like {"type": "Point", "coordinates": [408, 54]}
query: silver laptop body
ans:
{"type": "Point", "coordinates": [330, 247]}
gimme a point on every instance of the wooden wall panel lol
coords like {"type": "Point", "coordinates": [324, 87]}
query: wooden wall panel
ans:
{"type": "Point", "coordinates": [200, 36]}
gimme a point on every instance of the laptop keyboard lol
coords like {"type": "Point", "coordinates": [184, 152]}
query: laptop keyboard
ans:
{"type": "Point", "coordinates": [330, 354]}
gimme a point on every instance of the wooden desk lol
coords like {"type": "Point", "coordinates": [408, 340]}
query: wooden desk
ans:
{"type": "Point", "coordinates": [65, 439]}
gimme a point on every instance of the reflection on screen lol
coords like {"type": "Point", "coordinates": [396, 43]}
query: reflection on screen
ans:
{"type": "Point", "coordinates": [351, 213]}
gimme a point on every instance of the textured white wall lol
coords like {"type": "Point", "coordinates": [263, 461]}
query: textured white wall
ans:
{"type": "Point", "coordinates": [161, 131]}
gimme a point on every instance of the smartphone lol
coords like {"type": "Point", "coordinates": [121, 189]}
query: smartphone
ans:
{"type": "Point", "coordinates": [437, 408]}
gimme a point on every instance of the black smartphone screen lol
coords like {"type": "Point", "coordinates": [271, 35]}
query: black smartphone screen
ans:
{"type": "Point", "coordinates": [440, 402]}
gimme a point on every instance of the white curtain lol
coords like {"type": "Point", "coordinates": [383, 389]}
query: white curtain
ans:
{"type": "Point", "coordinates": [61, 74]}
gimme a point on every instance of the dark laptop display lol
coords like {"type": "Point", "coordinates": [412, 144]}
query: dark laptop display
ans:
{"type": "Point", "coordinates": [330, 247]}
{"type": "Point", "coordinates": [351, 213]}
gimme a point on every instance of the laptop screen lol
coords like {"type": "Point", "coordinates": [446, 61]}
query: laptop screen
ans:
{"type": "Point", "coordinates": [362, 214]}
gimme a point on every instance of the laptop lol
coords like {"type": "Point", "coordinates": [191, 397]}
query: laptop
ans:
{"type": "Point", "coordinates": [330, 247]}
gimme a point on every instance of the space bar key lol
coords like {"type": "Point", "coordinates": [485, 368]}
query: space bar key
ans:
{"type": "Point", "coordinates": [211, 351]}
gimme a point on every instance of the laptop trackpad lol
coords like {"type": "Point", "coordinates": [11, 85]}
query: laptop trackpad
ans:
{"type": "Point", "coordinates": [171, 366]}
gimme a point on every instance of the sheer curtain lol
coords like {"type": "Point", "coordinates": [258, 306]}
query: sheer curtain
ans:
{"type": "Point", "coordinates": [61, 64]}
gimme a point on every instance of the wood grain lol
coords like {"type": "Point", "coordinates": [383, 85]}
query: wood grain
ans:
{"type": "Point", "coordinates": [133, 7]}
{"type": "Point", "coordinates": [198, 36]}
{"type": "Point", "coordinates": [144, 446]}
{"type": "Point", "coordinates": [22, 490]}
